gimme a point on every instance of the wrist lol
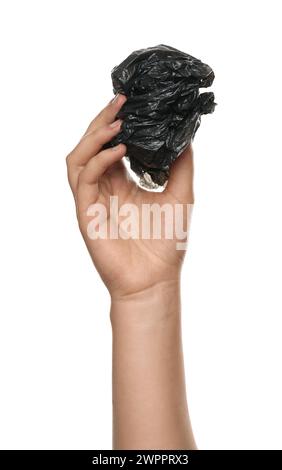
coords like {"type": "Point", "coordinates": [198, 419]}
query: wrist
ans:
{"type": "Point", "coordinates": [150, 307]}
{"type": "Point", "coordinates": [148, 370]}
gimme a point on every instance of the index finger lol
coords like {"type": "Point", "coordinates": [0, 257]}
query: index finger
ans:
{"type": "Point", "coordinates": [108, 113]}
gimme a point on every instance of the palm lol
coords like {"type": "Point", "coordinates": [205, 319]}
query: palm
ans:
{"type": "Point", "coordinates": [118, 259]}
{"type": "Point", "coordinates": [126, 265]}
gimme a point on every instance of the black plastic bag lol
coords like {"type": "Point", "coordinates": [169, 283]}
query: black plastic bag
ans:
{"type": "Point", "coordinates": [163, 108]}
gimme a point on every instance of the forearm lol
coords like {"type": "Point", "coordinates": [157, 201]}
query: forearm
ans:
{"type": "Point", "coordinates": [149, 396]}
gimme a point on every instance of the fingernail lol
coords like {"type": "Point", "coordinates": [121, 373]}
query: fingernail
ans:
{"type": "Point", "coordinates": [116, 123]}
{"type": "Point", "coordinates": [115, 98]}
{"type": "Point", "coordinates": [116, 147]}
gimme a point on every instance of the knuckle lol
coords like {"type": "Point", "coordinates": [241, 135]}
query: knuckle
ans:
{"type": "Point", "coordinates": [94, 135]}
{"type": "Point", "coordinates": [69, 160]}
{"type": "Point", "coordinates": [101, 135]}
{"type": "Point", "coordinates": [93, 121]}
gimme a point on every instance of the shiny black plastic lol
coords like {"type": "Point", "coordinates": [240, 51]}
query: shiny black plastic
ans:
{"type": "Point", "coordinates": [163, 108]}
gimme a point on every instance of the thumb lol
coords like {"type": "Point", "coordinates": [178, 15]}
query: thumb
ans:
{"type": "Point", "coordinates": [180, 182]}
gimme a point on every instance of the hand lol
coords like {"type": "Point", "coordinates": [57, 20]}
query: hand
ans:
{"type": "Point", "coordinates": [142, 275]}
{"type": "Point", "coordinates": [132, 266]}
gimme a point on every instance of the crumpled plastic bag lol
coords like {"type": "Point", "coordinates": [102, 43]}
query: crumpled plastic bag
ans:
{"type": "Point", "coordinates": [163, 108]}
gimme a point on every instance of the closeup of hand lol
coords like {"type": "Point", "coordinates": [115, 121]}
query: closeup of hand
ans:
{"type": "Point", "coordinates": [127, 266]}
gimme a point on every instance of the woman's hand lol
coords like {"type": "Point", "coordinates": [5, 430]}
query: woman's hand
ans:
{"type": "Point", "coordinates": [127, 266]}
{"type": "Point", "coordinates": [142, 275]}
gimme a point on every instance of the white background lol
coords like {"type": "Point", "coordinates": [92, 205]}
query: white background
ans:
{"type": "Point", "coordinates": [55, 336]}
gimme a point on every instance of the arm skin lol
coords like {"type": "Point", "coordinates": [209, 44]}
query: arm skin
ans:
{"type": "Point", "coordinates": [143, 278]}
{"type": "Point", "coordinates": [149, 397]}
